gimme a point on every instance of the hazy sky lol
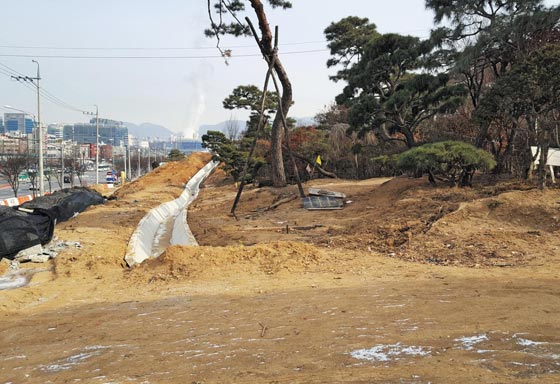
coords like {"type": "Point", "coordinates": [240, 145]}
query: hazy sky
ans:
{"type": "Point", "coordinates": [179, 93]}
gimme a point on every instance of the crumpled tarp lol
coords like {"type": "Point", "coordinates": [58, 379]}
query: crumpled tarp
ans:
{"type": "Point", "coordinates": [35, 225]}
{"type": "Point", "coordinates": [66, 203]}
{"type": "Point", "coordinates": [21, 230]}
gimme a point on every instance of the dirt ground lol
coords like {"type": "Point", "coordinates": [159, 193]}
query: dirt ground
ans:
{"type": "Point", "coordinates": [406, 284]}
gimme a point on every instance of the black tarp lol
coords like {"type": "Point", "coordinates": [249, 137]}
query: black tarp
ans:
{"type": "Point", "coordinates": [22, 229]}
{"type": "Point", "coordinates": [66, 203]}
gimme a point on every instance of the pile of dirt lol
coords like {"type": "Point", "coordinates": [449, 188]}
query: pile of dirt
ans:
{"type": "Point", "coordinates": [497, 223]}
{"type": "Point", "coordinates": [105, 230]}
{"type": "Point", "coordinates": [515, 228]}
{"type": "Point", "coordinates": [188, 262]}
{"type": "Point", "coordinates": [97, 270]}
{"type": "Point", "coordinates": [169, 178]}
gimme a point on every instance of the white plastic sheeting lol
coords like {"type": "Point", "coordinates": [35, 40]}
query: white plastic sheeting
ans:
{"type": "Point", "coordinates": [140, 246]}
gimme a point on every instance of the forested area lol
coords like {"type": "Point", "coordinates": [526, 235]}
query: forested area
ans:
{"type": "Point", "coordinates": [486, 82]}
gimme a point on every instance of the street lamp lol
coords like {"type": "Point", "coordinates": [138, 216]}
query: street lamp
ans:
{"type": "Point", "coordinates": [96, 142]}
{"type": "Point", "coordinates": [41, 171]}
{"type": "Point", "coordinates": [22, 111]}
{"type": "Point", "coordinates": [36, 82]}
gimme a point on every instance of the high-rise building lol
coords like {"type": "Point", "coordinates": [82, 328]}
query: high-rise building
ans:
{"type": "Point", "coordinates": [28, 126]}
{"type": "Point", "coordinates": [56, 130]}
{"type": "Point", "coordinates": [18, 122]}
{"type": "Point", "coordinates": [111, 132]}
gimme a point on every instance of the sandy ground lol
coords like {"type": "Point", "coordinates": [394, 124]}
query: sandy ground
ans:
{"type": "Point", "coordinates": [406, 284]}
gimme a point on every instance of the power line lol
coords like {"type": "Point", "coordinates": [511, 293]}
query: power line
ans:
{"type": "Point", "coordinates": [192, 48]}
{"type": "Point", "coordinates": [62, 103]}
{"type": "Point", "coordinates": [50, 97]}
{"type": "Point", "coordinates": [62, 48]}
{"type": "Point", "coordinates": [12, 73]}
{"type": "Point", "coordinates": [143, 48]}
{"type": "Point", "coordinates": [158, 57]}
{"type": "Point", "coordinates": [4, 72]}
{"type": "Point", "coordinates": [53, 99]}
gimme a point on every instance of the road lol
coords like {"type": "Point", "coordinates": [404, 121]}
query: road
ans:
{"type": "Point", "coordinates": [25, 187]}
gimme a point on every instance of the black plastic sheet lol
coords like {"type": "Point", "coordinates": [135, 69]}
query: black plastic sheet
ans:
{"type": "Point", "coordinates": [22, 229]}
{"type": "Point", "coordinates": [66, 203]}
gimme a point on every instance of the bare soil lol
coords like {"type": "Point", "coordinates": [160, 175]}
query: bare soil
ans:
{"type": "Point", "coordinates": [406, 284]}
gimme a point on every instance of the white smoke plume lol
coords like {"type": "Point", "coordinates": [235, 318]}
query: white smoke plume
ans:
{"type": "Point", "coordinates": [196, 103]}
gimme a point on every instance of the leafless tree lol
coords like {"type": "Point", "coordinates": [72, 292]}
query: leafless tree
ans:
{"type": "Point", "coordinates": [49, 178]}
{"type": "Point", "coordinates": [232, 129]}
{"type": "Point", "coordinates": [11, 165]}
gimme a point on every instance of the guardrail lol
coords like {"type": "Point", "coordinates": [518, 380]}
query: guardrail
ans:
{"type": "Point", "coordinates": [15, 201]}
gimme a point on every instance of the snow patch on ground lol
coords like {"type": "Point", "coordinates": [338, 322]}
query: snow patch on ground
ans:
{"type": "Point", "coordinates": [388, 352]}
{"type": "Point", "coordinates": [468, 342]}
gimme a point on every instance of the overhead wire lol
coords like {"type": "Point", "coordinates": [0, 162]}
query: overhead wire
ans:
{"type": "Point", "coordinates": [4, 72]}
{"type": "Point", "coordinates": [155, 57]}
{"type": "Point", "coordinates": [8, 71]}
{"type": "Point", "coordinates": [12, 73]}
{"type": "Point", "coordinates": [144, 48]}
{"type": "Point", "coordinates": [191, 48]}
{"type": "Point", "coordinates": [62, 103]}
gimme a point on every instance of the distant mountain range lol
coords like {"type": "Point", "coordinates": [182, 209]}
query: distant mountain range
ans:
{"type": "Point", "coordinates": [155, 131]}
{"type": "Point", "coordinates": [149, 130]}
{"type": "Point", "coordinates": [240, 124]}
{"type": "Point", "coordinates": [222, 127]}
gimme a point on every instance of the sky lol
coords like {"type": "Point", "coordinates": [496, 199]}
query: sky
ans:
{"type": "Point", "coordinates": [183, 92]}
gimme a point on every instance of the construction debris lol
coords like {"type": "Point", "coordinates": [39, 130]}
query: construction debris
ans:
{"type": "Point", "coordinates": [322, 199]}
{"type": "Point", "coordinates": [39, 254]}
{"type": "Point", "coordinates": [325, 192]}
{"type": "Point", "coordinates": [312, 203]}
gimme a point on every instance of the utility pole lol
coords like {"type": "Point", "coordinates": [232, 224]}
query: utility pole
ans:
{"type": "Point", "coordinates": [96, 145]}
{"type": "Point", "coordinates": [149, 164]}
{"type": "Point", "coordinates": [96, 141]}
{"type": "Point", "coordinates": [125, 173]}
{"type": "Point", "coordinates": [129, 161]}
{"type": "Point", "coordinates": [62, 161]}
{"type": "Point", "coordinates": [138, 161]}
{"type": "Point", "coordinates": [35, 82]}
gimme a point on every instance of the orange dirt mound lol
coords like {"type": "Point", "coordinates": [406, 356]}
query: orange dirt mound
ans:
{"type": "Point", "coordinates": [188, 262]}
{"type": "Point", "coordinates": [514, 228]}
{"type": "Point", "coordinates": [404, 218]}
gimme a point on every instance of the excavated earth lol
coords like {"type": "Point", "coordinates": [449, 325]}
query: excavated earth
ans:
{"type": "Point", "coordinates": [406, 284]}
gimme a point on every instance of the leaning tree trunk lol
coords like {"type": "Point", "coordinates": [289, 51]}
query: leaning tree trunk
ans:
{"type": "Point", "coordinates": [278, 173]}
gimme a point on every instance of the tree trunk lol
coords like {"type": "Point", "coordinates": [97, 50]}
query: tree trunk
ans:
{"type": "Point", "coordinates": [431, 178]}
{"type": "Point", "coordinates": [482, 135]}
{"type": "Point", "coordinates": [409, 137]}
{"type": "Point", "coordinates": [278, 172]}
{"type": "Point", "coordinates": [543, 147]}
{"type": "Point", "coordinates": [466, 177]}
